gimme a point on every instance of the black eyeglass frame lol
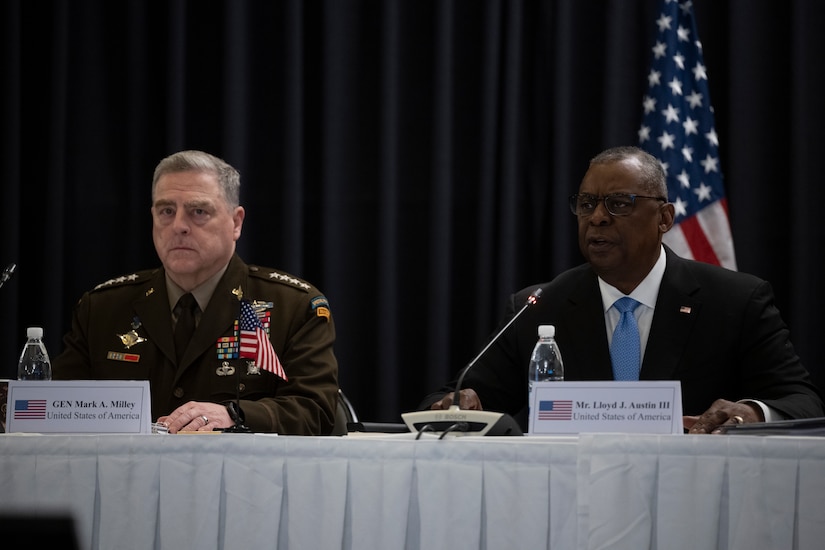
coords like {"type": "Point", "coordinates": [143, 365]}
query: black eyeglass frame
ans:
{"type": "Point", "coordinates": [628, 197]}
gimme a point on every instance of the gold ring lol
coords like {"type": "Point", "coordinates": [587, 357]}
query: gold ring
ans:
{"type": "Point", "coordinates": [206, 420]}
{"type": "Point", "coordinates": [738, 419]}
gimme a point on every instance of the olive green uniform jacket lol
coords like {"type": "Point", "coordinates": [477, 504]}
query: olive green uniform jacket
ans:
{"type": "Point", "coordinates": [123, 330]}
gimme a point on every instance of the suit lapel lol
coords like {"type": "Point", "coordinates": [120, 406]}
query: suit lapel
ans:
{"type": "Point", "coordinates": [590, 356]}
{"type": "Point", "coordinates": [674, 317]}
{"type": "Point", "coordinates": [217, 320]}
{"type": "Point", "coordinates": [153, 312]}
{"type": "Point", "coordinates": [219, 316]}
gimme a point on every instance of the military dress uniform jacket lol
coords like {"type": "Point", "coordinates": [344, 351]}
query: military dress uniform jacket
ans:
{"type": "Point", "coordinates": [123, 330]}
{"type": "Point", "coordinates": [716, 331]}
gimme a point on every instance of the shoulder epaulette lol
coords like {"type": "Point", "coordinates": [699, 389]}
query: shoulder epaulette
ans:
{"type": "Point", "coordinates": [123, 280]}
{"type": "Point", "coordinates": [277, 276]}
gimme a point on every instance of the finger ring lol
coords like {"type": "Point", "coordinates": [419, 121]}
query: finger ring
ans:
{"type": "Point", "coordinates": [206, 420]}
{"type": "Point", "coordinates": [738, 419]}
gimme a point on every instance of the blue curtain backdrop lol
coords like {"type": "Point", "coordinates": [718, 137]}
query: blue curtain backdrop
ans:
{"type": "Point", "coordinates": [412, 158]}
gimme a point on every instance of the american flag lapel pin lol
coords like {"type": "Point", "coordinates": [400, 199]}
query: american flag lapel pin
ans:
{"type": "Point", "coordinates": [684, 309]}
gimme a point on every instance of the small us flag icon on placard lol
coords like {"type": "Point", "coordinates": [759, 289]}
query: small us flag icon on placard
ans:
{"type": "Point", "coordinates": [30, 409]}
{"type": "Point", "coordinates": [556, 410]}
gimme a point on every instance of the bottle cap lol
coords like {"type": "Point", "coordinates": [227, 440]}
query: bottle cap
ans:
{"type": "Point", "coordinates": [547, 331]}
{"type": "Point", "coordinates": [34, 332]}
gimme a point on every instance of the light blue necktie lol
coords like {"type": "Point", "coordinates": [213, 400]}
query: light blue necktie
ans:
{"type": "Point", "coordinates": [625, 351]}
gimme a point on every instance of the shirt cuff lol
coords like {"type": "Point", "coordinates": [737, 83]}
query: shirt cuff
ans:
{"type": "Point", "coordinates": [771, 415]}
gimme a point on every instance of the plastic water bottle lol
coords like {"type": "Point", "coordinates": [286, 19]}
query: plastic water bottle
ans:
{"type": "Point", "coordinates": [34, 362]}
{"type": "Point", "coordinates": [545, 361]}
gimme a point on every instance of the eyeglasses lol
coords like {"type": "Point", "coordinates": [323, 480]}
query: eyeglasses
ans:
{"type": "Point", "coordinates": [617, 204]}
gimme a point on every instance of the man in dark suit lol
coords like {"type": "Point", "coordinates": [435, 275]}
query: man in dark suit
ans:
{"type": "Point", "coordinates": [716, 331]}
{"type": "Point", "coordinates": [248, 331]}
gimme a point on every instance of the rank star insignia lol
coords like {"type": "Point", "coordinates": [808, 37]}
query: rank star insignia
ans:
{"type": "Point", "coordinates": [287, 278]}
{"type": "Point", "coordinates": [131, 338]}
{"type": "Point", "coordinates": [117, 280]}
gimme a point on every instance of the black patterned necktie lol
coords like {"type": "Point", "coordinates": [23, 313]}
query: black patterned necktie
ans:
{"type": "Point", "coordinates": [185, 325]}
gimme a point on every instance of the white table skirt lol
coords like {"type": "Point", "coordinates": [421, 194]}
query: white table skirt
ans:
{"type": "Point", "coordinates": [595, 491]}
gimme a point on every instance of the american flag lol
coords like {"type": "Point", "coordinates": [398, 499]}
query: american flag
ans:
{"type": "Point", "coordinates": [678, 128]}
{"type": "Point", "coordinates": [30, 409]}
{"type": "Point", "coordinates": [255, 342]}
{"type": "Point", "coordinates": [555, 410]}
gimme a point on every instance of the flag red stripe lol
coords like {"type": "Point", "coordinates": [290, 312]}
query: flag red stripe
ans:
{"type": "Point", "coordinates": [698, 242]}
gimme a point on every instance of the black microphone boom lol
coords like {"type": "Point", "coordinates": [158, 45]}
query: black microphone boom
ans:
{"type": "Point", "coordinates": [469, 421]}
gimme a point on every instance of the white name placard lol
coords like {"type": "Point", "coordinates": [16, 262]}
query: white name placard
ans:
{"type": "Point", "coordinates": [78, 406]}
{"type": "Point", "coordinates": [625, 407]}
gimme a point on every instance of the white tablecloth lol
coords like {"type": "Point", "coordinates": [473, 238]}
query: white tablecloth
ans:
{"type": "Point", "coordinates": [594, 491]}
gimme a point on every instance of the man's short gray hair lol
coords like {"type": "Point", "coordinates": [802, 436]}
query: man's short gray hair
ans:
{"type": "Point", "coordinates": [228, 178]}
{"type": "Point", "coordinates": [654, 179]}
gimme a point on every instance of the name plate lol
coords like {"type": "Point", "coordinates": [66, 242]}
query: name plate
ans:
{"type": "Point", "coordinates": [78, 406]}
{"type": "Point", "coordinates": [653, 407]}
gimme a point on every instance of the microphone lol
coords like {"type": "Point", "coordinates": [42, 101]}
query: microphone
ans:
{"type": "Point", "coordinates": [462, 421]}
{"type": "Point", "coordinates": [7, 273]}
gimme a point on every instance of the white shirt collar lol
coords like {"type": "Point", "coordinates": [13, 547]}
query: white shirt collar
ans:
{"type": "Point", "coordinates": [645, 293]}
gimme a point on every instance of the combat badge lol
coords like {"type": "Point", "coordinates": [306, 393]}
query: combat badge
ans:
{"type": "Point", "coordinates": [252, 369]}
{"type": "Point", "coordinates": [132, 337]}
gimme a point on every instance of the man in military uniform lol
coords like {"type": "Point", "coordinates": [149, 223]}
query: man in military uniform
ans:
{"type": "Point", "coordinates": [208, 331]}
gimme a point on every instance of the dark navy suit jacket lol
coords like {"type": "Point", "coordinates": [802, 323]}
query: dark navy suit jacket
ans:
{"type": "Point", "coordinates": [715, 330]}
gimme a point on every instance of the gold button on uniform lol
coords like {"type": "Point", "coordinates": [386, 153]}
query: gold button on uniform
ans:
{"type": "Point", "coordinates": [178, 392]}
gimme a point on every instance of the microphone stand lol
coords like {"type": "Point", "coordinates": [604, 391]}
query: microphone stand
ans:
{"type": "Point", "coordinates": [234, 409]}
{"type": "Point", "coordinates": [461, 421]}
{"type": "Point", "coordinates": [7, 273]}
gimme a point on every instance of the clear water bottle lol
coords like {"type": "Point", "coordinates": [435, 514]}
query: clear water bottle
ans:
{"type": "Point", "coordinates": [545, 361]}
{"type": "Point", "coordinates": [34, 361]}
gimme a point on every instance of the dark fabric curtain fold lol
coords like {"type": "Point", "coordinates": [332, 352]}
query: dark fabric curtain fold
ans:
{"type": "Point", "coordinates": [411, 158]}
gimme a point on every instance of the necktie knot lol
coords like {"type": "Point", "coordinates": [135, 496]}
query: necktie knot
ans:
{"type": "Point", "coordinates": [187, 301]}
{"type": "Point", "coordinates": [626, 304]}
{"type": "Point", "coordinates": [625, 351]}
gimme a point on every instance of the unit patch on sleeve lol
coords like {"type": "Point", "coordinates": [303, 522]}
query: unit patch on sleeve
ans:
{"type": "Point", "coordinates": [321, 307]}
